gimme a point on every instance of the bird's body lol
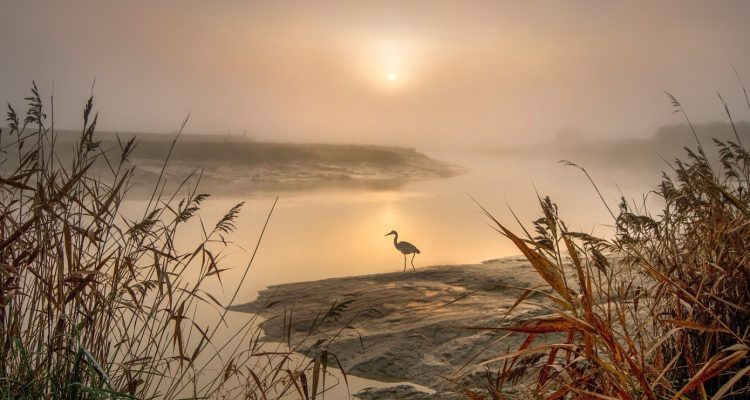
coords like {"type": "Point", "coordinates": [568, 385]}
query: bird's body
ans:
{"type": "Point", "coordinates": [405, 248]}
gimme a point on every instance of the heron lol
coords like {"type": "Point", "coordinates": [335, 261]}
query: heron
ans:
{"type": "Point", "coordinates": [405, 248]}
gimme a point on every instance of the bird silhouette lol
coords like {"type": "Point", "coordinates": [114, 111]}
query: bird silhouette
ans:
{"type": "Point", "coordinates": [405, 248]}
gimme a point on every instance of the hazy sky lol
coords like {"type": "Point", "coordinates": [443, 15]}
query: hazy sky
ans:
{"type": "Point", "coordinates": [399, 72]}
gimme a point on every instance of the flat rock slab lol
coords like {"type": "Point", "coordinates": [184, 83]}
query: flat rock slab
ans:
{"type": "Point", "coordinates": [424, 327]}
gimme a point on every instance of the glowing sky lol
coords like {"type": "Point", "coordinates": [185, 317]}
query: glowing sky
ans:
{"type": "Point", "coordinates": [399, 72]}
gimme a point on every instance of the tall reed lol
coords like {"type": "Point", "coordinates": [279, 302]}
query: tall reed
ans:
{"type": "Point", "coordinates": [660, 309]}
{"type": "Point", "coordinates": [94, 304]}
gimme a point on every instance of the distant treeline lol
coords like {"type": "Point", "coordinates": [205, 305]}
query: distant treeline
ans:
{"type": "Point", "coordinates": [666, 144]}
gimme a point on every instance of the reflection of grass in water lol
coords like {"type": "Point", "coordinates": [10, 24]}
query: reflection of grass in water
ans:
{"type": "Point", "coordinates": [94, 305]}
{"type": "Point", "coordinates": [660, 310]}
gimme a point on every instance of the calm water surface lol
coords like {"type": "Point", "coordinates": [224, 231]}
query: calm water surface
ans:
{"type": "Point", "coordinates": [329, 233]}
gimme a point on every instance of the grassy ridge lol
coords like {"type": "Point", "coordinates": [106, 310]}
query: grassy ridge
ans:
{"type": "Point", "coordinates": [241, 151]}
{"type": "Point", "coordinates": [232, 165]}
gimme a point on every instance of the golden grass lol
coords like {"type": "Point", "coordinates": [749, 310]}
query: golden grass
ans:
{"type": "Point", "coordinates": [95, 305]}
{"type": "Point", "coordinates": [660, 310]}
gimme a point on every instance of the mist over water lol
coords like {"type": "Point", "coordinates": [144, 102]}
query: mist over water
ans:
{"type": "Point", "coordinates": [333, 232]}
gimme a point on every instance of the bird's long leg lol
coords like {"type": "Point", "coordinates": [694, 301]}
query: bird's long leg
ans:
{"type": "Point", "coordinates": [404, 262]}
{"type": "Point", "coordinates": [412, 261]}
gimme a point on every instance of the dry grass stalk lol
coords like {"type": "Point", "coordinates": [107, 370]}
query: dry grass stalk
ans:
{"type": "Point", "coordinates": [661, 309]}
{"type": "Point", "coordinates": [94, 305]}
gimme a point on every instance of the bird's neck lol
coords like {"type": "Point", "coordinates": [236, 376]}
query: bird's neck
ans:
{"type": "Point", "coordinates": [395, 238]}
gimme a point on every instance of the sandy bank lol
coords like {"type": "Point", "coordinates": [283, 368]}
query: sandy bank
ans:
{"type": "Point", "coordinates": [397, 327]}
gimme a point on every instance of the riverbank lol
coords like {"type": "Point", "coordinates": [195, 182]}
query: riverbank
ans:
{"type": "Point", "coordinates": [236, 165]}
{"type": "Point", "coordinates": [418, 326]}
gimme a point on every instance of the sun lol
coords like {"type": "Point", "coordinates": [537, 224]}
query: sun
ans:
{"type": "Point", "coordinates": [388, 65]}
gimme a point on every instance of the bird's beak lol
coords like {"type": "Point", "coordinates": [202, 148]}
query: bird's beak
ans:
{"type": "Point", "coordinates": [386, 234]}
